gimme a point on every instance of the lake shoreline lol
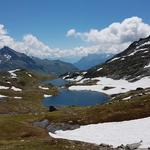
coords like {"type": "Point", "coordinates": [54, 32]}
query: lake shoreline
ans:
{"type": "Point", "coordinates": [67, 97]}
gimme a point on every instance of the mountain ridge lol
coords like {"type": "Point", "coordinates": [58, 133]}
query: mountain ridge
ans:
{"type": "Point", "coordinates": [129, 64]}
{"type": "Point", "coordinates": [11, 59]}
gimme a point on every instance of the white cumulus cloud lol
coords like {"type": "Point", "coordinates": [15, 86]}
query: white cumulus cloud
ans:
{"type": "Point", "coordinates": [112, 39]}
{"type": "Point", "coordinates": [116, 36]}
{"type": "Point", "coordinates": [71, 32]}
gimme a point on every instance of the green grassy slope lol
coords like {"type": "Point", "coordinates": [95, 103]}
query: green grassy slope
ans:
{"type": "Point", "coordinates": [17, 115]}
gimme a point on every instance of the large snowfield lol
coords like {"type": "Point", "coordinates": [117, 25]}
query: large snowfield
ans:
{"type": "Point", "coordinates": [119, 86]}
{"type": "Point", "coordinates": [114, 133]}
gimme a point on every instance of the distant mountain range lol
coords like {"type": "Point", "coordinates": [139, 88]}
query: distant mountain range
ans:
{"type": "Point", "coordinates": [92, 60]}
{"type": "Point", "coordinates": [10, 59]}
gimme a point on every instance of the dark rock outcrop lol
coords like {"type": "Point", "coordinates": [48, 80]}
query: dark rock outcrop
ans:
{"type": "Point", "coordinates": [52, 127]}
{"type": "Point", "coordinates": [52, 108]}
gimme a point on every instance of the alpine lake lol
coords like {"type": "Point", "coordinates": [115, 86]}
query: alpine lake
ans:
{"type": "Point", "coordinates": [68, 97]}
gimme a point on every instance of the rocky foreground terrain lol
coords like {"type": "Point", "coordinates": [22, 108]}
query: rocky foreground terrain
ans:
{"type": "Point", "coordinates": [25, 123]}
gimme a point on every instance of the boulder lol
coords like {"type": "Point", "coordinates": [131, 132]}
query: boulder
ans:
{"type": "Point", "coordinates": [139, 89]}
{"type": "Point", "coordinates": [133, 146]}
{"type": "Point", "coordinates": [61, 126]}
{"type": "Point", "coordinates": [41, 124]}
{"type": "Point", "coordinates": [103, 145]}
{"type": "Point", "coordinates": [52, 108]}
{"type": "Point", "coordinates": [121, 147]}
{"type": "Point", "coordinates": [107, 88]}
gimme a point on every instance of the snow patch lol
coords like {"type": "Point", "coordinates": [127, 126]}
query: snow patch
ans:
{"type": "Point", "coordinates": [12, 73]}
{"type": "Point", "coordinates": [123, 58]}
{"type": "Point", "coordinates": [84, 73]}
{"type": "Point", "coordinates": [17, 97]}
{"type": "Point", "coordinates": [99, 69]}
{"type": "Point", "coordinates": [46, 95]}
{"type": "Point", "coordinates": [114, 59]}
{"type": "Point", "coordinates": [146, 51]}
{"type": "Point", "coordinates": [120, 86]}
{"type": "Point", "coordinates": [82, 81]}
{"type": "Point", "coordinates": [147, 66]}
{"type": "Point", "coordinates": [146, 43]}
{"type": "Point", "coordinates": [16, 89]}
{"type": "Point", "coordinates": [29, 74]}
{"type": "Point", "coordinates": [131, 54]}
{"type": "Point", "coordinates": [114, 133]}
{"type": "Point", "coordinates": [8, 57]}
{"type": "Point", "coordinates": [78, 78]}
{"type": "Point", "coordinates": [3, 88]}
{"type": "Point", "coordinates": [127, 98]}
{"type": "Point", "coordinates": [65, 76]}
{"type": "Point", "coordinates": [3, 96]}
{"type": "Point", "coordinates": [43, 88]}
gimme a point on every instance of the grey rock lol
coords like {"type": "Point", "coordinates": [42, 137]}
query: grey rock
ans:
{"type": "Point", "coordinates": [139, 89]}
{"type": "Point", "coordinates": [61, 126]}
{"type": "Point", "coordinates": [105, 145]}
{"type": "Point", "coordinates": [121, 147]}
{"type": "Point", "coordinates": [133, 146]}
{"type": "Point", "coordinates": [41, 124]}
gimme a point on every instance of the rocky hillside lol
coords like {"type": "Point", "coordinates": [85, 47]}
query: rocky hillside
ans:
{"type": "Point", "coordinates": [10, 59]}
{"type": "Point", "coordinates": [56, 67]}
{"type": "Point", "coordinates": [22, 91]}
{"type": "Point", "coordinates": [131, 64]}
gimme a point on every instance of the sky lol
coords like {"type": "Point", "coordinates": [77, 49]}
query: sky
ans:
{"type": "Point", "coordinates": [71, 29]}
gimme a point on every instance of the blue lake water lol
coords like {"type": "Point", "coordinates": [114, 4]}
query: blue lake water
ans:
{"type": "Point", "coordinates": [73, 98]}
{"type": "Point", "coordinates": [76, 98]}
{"type": "Point", "coordinates": [57, 82]}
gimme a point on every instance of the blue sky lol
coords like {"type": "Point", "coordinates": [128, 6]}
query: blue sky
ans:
{"type": "Point", "coordinates": [49, 20]}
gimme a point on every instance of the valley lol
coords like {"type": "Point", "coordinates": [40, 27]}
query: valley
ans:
{"type": "Point", "coordinates": [74, 75]}
{"type": "Point", "coordinates": [52, 111]}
